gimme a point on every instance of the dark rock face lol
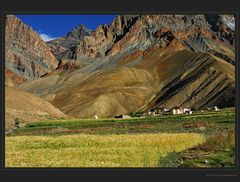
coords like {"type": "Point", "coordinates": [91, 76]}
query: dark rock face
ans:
{"type": "Point", "coordinates": [201, 82]}
{"type": "Point", "coordinates": [87, 46]}
{"type": "Point", "coordinates": [78, 32]}
{"type": "Point", "coordinates": [27, 55]}
{"type": "Point", "coordinates": [64, 44]}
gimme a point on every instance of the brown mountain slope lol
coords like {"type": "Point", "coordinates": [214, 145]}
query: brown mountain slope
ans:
{"type": "Point", "coordinates": [151, 61]}
{"type": "Point", "coordinates": [194, 80]}
{"type": "Point", "coordinates": [108, 94]}
{"type": "Point", "coordinates": [27, 107]}
{"type": "Point", "coordinates": [180, 79]}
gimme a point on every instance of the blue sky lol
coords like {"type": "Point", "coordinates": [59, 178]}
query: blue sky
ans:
{"type": "Point", "coordinates": [53, 26]}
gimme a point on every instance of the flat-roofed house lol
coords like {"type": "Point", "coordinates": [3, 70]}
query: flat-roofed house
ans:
{"type": "Point", "coordinates": [178, 110]}
{"type": "Point", "coordinates": [181, 110]}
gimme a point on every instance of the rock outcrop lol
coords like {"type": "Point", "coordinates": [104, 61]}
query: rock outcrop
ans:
{"type": "Point", "coordinates": [26, 54]}
{"type": "Point", "coordinates": [63, 45]}
{"type": "Point", "coordinates": [198, 33]}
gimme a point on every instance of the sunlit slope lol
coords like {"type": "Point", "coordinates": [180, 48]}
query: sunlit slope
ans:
{"type": "Point", "coordinates": [107, 94]}
{"type": "Point", "coordinates": [165, 77]}
{"type": "Point", "coordinates": [27, 107]}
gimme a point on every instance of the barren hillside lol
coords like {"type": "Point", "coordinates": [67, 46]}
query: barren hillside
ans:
{"type": "Point", "coordinates": [139, 62]}
{"type": "Point", "coordinates": [27, 107]}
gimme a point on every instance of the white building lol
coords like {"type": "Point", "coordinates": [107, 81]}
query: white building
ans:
{"type": "Point", "coordinates": [122, 116]}
{"type": "Point", "coordinates": [177, 110]}
{"type": "Point", "coordinates": [187, 111]}
{"type": "Point", "coordinates": [151, 112]}
{"type": "Point", "coordinates": [166, 110]}
{"type": "Point", "coordinates": [215, 108]}
{"type": "Point", "coordinates": [126, 116]}
{"type": "Point", "coordinates": [181, 110]}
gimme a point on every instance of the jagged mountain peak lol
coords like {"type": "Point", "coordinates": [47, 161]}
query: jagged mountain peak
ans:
{"type": "Point", "coordinates": [78, 32]}
{"type": "Point", "coordinates": [111, 39]}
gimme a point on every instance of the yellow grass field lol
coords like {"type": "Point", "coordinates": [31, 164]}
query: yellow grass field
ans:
{"type": "Point", "coordinates": [83, 150]}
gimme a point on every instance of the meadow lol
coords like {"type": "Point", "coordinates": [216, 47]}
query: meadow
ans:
{"type": "Point", "coordinates": [203, 139]}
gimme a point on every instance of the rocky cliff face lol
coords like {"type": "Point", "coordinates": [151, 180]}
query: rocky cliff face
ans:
{"type": "Point", "coordinates": [82, 46]}
{"type": "Point", "coordinates": [198, 33]}
{"type": "Point", "coordinates": [143, 61]}
{"type": "Point", "coordinates": [66, 44]}
{"type": "Point", "coordinates": [27, 55]}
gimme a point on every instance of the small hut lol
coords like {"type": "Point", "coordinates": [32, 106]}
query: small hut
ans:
{"type": "Point", "coordinates": [122, 116]}
{"type": "Point", "coordinates": [151, 112]}
{"type": "Point", "coordinates": [215, 108]}
{"type": "Point", "coordinates": [178, 110]}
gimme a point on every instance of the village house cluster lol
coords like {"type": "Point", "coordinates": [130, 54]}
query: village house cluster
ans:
{"type": "Point", "coordinates": [174, 110]}
{"type": "Point", "coordinates": [166, 111]}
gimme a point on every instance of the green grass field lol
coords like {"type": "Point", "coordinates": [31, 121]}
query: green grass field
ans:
{"type": "Point", "coordinates": [204, 139]}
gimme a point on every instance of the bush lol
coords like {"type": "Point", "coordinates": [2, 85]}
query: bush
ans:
{"type": "Point", "coordinates": [220, 141]}
{"type": "Point", "coordinates": [17, 122]}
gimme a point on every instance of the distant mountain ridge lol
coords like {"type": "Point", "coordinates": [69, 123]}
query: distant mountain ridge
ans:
{"type": "Point", "coordinates": [104, 40]}
{"type": "Point", "coordinates": [139, 62]}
